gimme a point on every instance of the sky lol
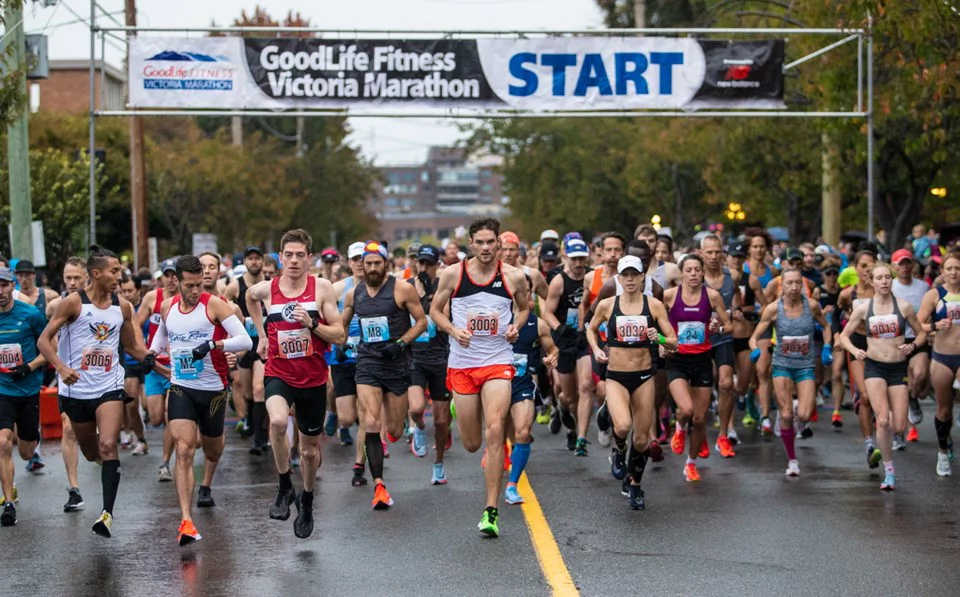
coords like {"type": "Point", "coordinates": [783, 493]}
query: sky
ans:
{"type": "Point", "coordinates": [386, 141]}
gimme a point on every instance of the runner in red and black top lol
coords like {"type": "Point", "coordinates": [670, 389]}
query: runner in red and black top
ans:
{"type": "Point", "coordinates": [155, 385]}
{"type": "Point", "coordinates": [302, 321]}
{"type": "Point", "coordinates": [690, 308]}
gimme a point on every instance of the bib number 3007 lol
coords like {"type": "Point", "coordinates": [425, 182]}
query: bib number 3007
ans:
{"type": "Point", "coordinates": [483, 324]}
{"type": "Point", "coordinates": [294, 344]}
{"type": "Point", "coordinates": [97, 359]}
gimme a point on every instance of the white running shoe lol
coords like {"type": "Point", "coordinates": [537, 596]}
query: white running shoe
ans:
{"type": "Point", "coordinates": [943, 464]}
{"type": "Point", "coordinates": [604, 438]}
{"type": "Point", "coordinates": [793, 469]}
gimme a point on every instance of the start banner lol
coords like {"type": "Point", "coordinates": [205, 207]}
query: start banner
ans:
{"type": "Point", "coordinates": [570, 73]}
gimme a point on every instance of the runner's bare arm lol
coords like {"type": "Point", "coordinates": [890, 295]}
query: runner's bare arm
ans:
{"type": "Point", "coordinates": [767, 317]}
{"type": "Point", "coordinates": [593, 330]}
{"type": "Point", "coordinates": [659, 313]}
{"type": "Point", "coordinates": [146, 307]}
{"type": "Point", "coordinates": [330, 332]}
{"type": "Point", "coordinates": [716, 301]}
{"type": "Point", "coordinates": [908, 313]}
{"type": "Point", "coordinates": [67, 311]}
{"type": "Point", "coordinates": [853, 324]}
{"type": "Point", "coordinates": [517, 283]}
{"type": "Point", "coordinates": [445, 288]}
{"type": "Point", "coordinates": [128, 335]}
{"type": "Point", "coordinates": [608, 289]}
{"type": "Point", "coordinates": [539, 284]}
{"type": "Point", "coordinates": [232, 291]}
{"type": "Point", "coordinates": [584, 307]}
{"type": "Point", "coordinates": [347, 314]}
{"type": "Point", "coordinates": [407, 298]}
{"type": "Point", "coordinates": [256, 294]}
{"type": "Point", "coordinates": [821, 318]}
{"type": "Point", "coordinates": [927, 306]}
{"type": "Point", "coordinates": [550, 351]}
{"type": "Point", "coordinates": [553, 301]}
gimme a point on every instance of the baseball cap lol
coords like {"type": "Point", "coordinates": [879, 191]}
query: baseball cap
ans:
{"type": "Point", "coordinates": [737, 250]}
{"type": "Point", "coordinates": [509, 237]}
{"type": "Point", "coordinates": [355, 250]}
{"type": "Point", "coordinates": [330, 255]}
{"type": "Point", "coordinates": [830, 269]}
{"type": "Point", "coordinates": [823, 250]}
{"type": "Point", "coordinates": [571, 236]}
{"type": "Point", "coordinates": [251, 250]}
{"type": "Point", "coordinates": [24, 266]}
{"type": "Point", "coordinates": [429, 253]}
{"type": "Point", "coordinates": [792, 253]}
{"type": "Point", "coordinates": [5, 274]}
{"type": "Point", "coordinates": [576, 248]}
{"type": "Point", "coordinates": [413, 249]}
{"type": "Point", "coordinates": [549, 234]}
{"type": "Point", "coordinates": [898, 256]}
{"type": "Point", "coordinates": [629, 262]}
{"type": "Point", "coordinates": [168, 265]}
{"type": "Point", "coordinates": [549, 251]}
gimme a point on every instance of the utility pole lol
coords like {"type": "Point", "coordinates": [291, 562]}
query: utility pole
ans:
{"type": "Point", "coordinates": [236, 131]}
{"type": "Point", "coordinates": [639, 14]}
{"type": "Point", "coordinates": [830, 193]}
{"type": "Point", "coordinates": [138, 178]}
{"type": "Point", "coordinates": [18, 139]}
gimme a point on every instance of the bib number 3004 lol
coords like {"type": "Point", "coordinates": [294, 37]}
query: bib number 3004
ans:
{"type": "Point", "coordinates": [11, 356]}
{"type": "Point", "coordinates": [294, 344]}
{"type": "Point", "coordinates": [98, 359]}
{"type": "Point", "coordinates": [483, 324]}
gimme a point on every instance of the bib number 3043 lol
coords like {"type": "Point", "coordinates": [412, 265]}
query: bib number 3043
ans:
{"type": "Point", "coordinates": [98, 359]}
{"type": "Point", "coordinates": [294, 344]}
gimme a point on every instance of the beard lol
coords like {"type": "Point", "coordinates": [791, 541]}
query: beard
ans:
{"type": "Point", "coordinates": [255, 270]}
{"type": "Point", "coordinates": [374, 278]}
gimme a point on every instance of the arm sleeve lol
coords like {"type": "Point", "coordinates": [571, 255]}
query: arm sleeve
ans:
{"type": "Point", "coordinates": [160, 339]}
{"type": "Point", "coordinates": [239, 340]}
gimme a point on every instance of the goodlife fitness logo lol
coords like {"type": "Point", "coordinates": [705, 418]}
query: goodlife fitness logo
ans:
{"type": "Point", "coordinates": [188, 71]}
{"type": "Point", "coordinates": [737, 74]}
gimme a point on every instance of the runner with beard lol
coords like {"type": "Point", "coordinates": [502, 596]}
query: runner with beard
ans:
{"type": "Point", "coordinates": [250, 367]}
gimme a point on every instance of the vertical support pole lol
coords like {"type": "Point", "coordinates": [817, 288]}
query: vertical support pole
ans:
{"type": "Point", "coordinates": [138, 168]}
{"type": "Point", "coordinates": [18, 140]}
{"type": "Point", "coordinates": [860, 73]}
{"type": "Point", "coordinates": [871, 190]}
{"type": "Point", "coordinates": [91, 149]}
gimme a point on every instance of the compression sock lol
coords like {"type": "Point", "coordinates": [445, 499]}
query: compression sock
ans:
{"type": "Point", "coordinates": [110, 480]}
{"type": "Point", "coordinates": [374, 450]}
{"type": "Point", "coordinates": [789, 436]}
{"type": "Point", "coordinates": [519, 458]}
{"type": "Point", "coordinates": [256, 423]}
{"type": "Point", "coordinates": [285, 482]}
{"type": "Point", "coordinates": [943, 433]}
{"type": "Point", "coordinates": [637, 463]}
{"type": "Point", "coordinates": [621, 443]}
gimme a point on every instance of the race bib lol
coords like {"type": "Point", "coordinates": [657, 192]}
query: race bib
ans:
{"type": "Point", "coordinates": [375, 329]}
{"type": "Point", "coordinates": [794, 346]}
{"type": "Point", "coordinates": [251, 328]}
{"type": "Point", "coordinates": [519, 364]}
{"type": "Point", "coordinates": [350, 348]}
{"type": "Point", "coordinates": [10, 357]}
{"type": "Point", "coordinates": [184, 367]}
{"type": "Point", "coordinates": [573, 317]}
{"type": "Point", "coordinates": [483, 323]}
{"type": "Point", "coordinates": [294, 344]}
{"type": "Point", "coordinates": [953, 312]}
{"type": "Point", "coordinates": [631, 328]}
{"type": "Point", "coordinates": [97, 359]}
{"type": "Point", "coordinates": [428, 335]}
{"type": "Point", "coordinates": [884, 326]}
{"type": "Point", "coordinates": [691, 332]}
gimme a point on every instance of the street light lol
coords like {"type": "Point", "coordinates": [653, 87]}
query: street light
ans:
{"type": "Point", "coordinates": [655, 220]}
{"type": "Point", "coordinates": [735, 212]}
{"type": "Point", "coordinates": [939, 192]}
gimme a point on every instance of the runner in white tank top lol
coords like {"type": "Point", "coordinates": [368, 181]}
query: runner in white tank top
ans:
{"type": "Point", "coordinates": [485, 298]}
{"type": "Point", "coordinates": [196, 328]}
{"type": "Point", "coordinates": [94, 321]}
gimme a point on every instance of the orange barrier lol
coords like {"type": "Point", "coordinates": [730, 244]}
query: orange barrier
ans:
{"type": "Point", "coordinates": [50, 423]}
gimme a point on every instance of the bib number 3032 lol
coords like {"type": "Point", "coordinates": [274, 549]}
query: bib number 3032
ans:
{"type": "Point", "coordinates": [294, 344]}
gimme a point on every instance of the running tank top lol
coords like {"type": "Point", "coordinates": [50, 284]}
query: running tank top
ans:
{"type": "Point", "coordinates": [154, 323]}
{"type": "Point", "coordinates": [381, 320]}
{"type": "Point", "coordinates": [794, 338]}
{"type": "Point", "coordinates": [91, 346]}
{"type": "Point", "coordinates": [764, 279]}
{"type": "Point", "coordinates": [596, 285]}
{"type": "Point", "coordinates": [629, 331]}
{"type": "Point", "coordinates": [891, 325]}
{"type": "Point", "coordinates": [691, 323]}
{"type": "Point", "coordinates": [185, 331]}
{"type": "Point", "coordinates": [484, 310]}
{"type": "Point", "coordinates": [294, 353]}
{"type": "Point", "coordinates": [242, 303]}
{"type": "Point", "coordinates": [430, 347]}
{"type": "Point", "coordinates": [727, 290]}
{"type": "Point", "coordinates": [568, 307]}
{"type": "Point", "coordinates": [948, 307]}
{"type": "Point", "coordinates": [526, 350]}
{"type": "Point", "coordinates": [353, 330]}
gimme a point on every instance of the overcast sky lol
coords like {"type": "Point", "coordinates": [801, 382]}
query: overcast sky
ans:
{"type": "Point", "coordinates": [386, 140]}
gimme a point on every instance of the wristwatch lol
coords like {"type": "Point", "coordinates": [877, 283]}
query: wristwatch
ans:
{"type": "Point", "coordinates": [315, 323]}
{"type": "Point", "coordinates": [402, 343]}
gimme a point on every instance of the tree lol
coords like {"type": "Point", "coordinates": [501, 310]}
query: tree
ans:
{"type": "Point", "coordinates": [11, 99]}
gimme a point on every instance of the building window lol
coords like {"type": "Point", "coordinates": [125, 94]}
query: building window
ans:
{"type": "Point", "coordinates": [443, 233]}
{"type": "Point", "coordinates": [391, 202]}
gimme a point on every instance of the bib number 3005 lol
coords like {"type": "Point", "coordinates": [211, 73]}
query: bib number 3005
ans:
{"type": "Point", "coordinates": [483, 324]}
{"type": "Point", "coordinates": [294, 344]}
{"type": "Point", "coordinates": [98, 359]}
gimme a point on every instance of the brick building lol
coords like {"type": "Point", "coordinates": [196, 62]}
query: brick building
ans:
{"type": "Point", "coordinates": [67, 90]}
{"type": "Point", "coordinates": [434, 198]}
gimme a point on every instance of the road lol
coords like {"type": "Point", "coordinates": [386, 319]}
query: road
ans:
{"type": "Point", "coordinates": [745, 529]}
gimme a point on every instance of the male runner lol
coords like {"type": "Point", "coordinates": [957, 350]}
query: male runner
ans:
{"type": "Point", "coordinates": [385, 306]}
{"type": "Point", "coordinates": [906, 287]}
{"type": "Point", "coordinates": [667, 275]}
{"type": "Point", "coordinates": [302, 321]}
{"type": "Point", "coordinates": [30, 293]}
{"type": "Point", "coordinates": [196, 329]}
{"type": "Point", "coordinates": [485, 300]}
{"type": "Point", "coordinates": [21, 373]}
{"type": "Point", "coordinates": [133, 372]}
{"type": "Point", "coordinates": [562, 314]}
{"type": "Point", "coordinates": [250, 367]}
{"type": "Point", "coordinates": [74, 279]}
{"type": "Point", "coordinates": [155, 384]}
{"type": "Point", "coordinates": [93, 322]}
{"type": "Point", "coordinates": [510, 254]}
{"type": "Point", "coordinates": [429, 368]}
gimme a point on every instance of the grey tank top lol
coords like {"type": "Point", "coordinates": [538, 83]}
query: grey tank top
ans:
{"type": "Point", "coordinates": [794, 338]}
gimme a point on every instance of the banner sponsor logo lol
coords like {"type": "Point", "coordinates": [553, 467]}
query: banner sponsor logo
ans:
{"type": "Point", "coordinates": [192, 71]}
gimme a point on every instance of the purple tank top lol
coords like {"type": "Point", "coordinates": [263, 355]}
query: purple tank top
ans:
{"type": "Point", "coordinates": [692, 323]}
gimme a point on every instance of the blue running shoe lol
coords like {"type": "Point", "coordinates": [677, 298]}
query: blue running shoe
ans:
{"type": "Point", "coordinates": [419, 444]}
{"type": "Point", "coordinates": [35, 463]}
{"type": "Point", "coordinates": [636, 498]}
{"type": "Point", "coordinates": [511, 496]}
{"type": "Point", "coordinates": [439, 478]}
{"type": "Point", "coordinates": [618, 464]}
{"type": "Point", "coordinates": [889, 483]}
{"type": "Point", "coordinates": [345, 438]}
{"type": "Point", "coordinates": [330, 427]}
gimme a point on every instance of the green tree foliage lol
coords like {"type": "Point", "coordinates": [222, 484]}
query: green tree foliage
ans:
{"type": "Point", "coordinates": [11, 99]}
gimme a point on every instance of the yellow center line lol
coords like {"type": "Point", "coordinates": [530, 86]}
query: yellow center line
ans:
{"type": "Point", "coordinates": [548, 552]}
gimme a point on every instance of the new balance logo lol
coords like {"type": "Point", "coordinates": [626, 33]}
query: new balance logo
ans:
{"type": "Point", "coordinates": [498, 284]}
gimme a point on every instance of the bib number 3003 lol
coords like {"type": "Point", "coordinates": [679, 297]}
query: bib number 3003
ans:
{"type": "Point", "coordinates": [483, 324]}
{"type": "Point", "coordinates": [294, 344]}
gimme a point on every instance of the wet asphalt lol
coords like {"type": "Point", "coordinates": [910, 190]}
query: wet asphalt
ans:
{"type": "Point", "coordinates": [744, 530]}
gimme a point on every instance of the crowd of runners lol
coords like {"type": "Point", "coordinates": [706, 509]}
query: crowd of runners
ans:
{"type": "Point", "coordinates": [640, 346]}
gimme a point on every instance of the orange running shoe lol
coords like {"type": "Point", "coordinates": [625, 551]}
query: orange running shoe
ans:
{"type": "Point", "coordinates": [912, 435]}
{"type": "Point", "coordinates": [836, 420]}
{"type": "Point", "coordinates": [691, 473]}
{"type": "Point", "coordinates": [725, 447]}
{"type": "Point", "coordinates": [679, 441]}
{"type": "Point", "coordinates": [506, 457]}
{"type": "Point", "coordinates": [381, 498]}
{"type": "Point", "coordinates": [704, 449]}
{"type": "Point", "coordinates": [188, 533]}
